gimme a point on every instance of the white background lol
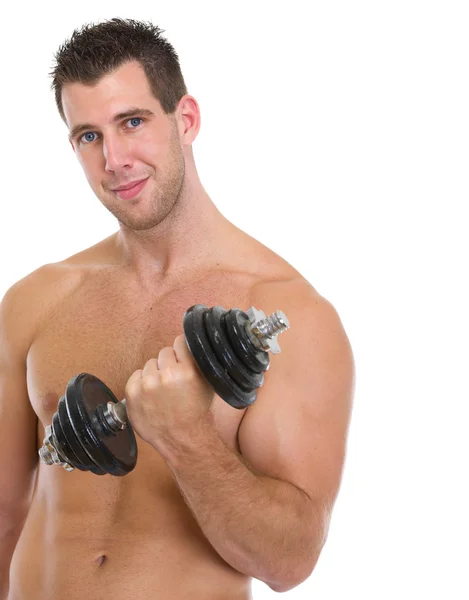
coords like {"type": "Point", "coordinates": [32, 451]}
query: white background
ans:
{"type": "Point", "coordinates": [336, 133]}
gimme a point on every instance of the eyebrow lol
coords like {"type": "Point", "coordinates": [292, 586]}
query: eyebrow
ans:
{"type": "Point", "coordinates": [132, 112]}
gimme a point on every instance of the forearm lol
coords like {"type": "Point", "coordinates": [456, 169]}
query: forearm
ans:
{"type": "Point", "coordinates": [262, 527]}
{"type": "Point", "coordinates": [9, 535]}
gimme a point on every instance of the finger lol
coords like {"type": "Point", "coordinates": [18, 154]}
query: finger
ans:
{"type": "Point", "coordinates": [150, 367]}
{"type": "Point", "coordinates": [181, 350]}
{"type": "Point", "coordinates": [133, 382]}
{"type": "Point", "coordinates": [166, 358]}
{"type": "Point", "coordinates": [136, 375]}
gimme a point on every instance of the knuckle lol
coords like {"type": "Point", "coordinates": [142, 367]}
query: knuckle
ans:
{"type": "Point", "coordinates": [130, 389]}
{"type": "Point", "coordinates": [169, 375]}
{"type": "Point", "coordinates": [149, 383]}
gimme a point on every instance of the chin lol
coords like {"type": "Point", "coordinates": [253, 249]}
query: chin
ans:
{"type": "Point", "coordinates": [136, 224]}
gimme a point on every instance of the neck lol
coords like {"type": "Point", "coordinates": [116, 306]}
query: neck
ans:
{"type": "Point", "coordinates": [189, 240]}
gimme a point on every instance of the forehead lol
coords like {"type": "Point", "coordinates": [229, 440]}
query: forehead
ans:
{"type": "Point", "coordinates": [114, 93]}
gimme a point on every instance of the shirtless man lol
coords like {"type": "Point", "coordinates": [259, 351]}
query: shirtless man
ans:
{"type": "Point", "coordinates": [219, 496]}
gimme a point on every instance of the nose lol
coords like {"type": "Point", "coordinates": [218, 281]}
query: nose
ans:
{"type": "Point", "coordinates": [117, 154]}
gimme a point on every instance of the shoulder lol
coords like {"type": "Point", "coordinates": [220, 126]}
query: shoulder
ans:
{"type": "Point", "coordinates": [26, 303]}
{"type": "Point", "coordinates": [278, 285]}
{"type": "Point", "coordinates": [44, 284]}
{"type": "Point", "coordinates": [316, 334]}
{"type": "Point", "coordinates": [35, 293]}
{"type": "Point", "coordinates": [296, 297]}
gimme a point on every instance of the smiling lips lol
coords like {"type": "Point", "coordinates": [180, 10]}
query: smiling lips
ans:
{"type": "Point", "coordinates": [130, 190]}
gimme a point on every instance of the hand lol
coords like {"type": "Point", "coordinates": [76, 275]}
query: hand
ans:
{"type": "Point", "coordinates": [169, 397]}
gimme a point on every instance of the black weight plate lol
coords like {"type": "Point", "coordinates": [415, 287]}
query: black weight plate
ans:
{"type": "Point", "coordinates": [225, 353]}
{"type": "Point", "coordinates": [73, 449]}
{"type": "Point", "coordinates": [256, 359]}
{"type": "Point", "coordinates": [199, 346]}
{"type": "Point", "coordinates": [61, 447]}
{"type": "Point", "coordinates": [114, 454]}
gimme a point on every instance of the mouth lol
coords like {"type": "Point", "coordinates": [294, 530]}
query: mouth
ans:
{"type": "Point", "coordinates": [131, 190]}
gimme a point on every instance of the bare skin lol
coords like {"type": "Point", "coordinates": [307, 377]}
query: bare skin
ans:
{"type": "Point", "coordinates": [82, 529]}
{"type": "Point", "coordinates": [108, 310]}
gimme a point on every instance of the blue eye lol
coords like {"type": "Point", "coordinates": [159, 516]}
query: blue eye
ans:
{"type": "Point", "coordinates": [135, 122]}
{"type": "Point", "coordinates": [87, 137]}
{"type": "Point", "coordinates": [91, 136]}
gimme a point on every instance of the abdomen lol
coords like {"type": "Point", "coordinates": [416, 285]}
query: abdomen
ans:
{"type": "Point", "coordinates": [117, 547]}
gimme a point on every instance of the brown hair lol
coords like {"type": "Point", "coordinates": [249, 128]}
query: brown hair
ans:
{"type": "Point", "coordinates": [98, 49]}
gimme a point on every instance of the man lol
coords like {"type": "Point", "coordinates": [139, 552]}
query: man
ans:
{"type": "Point", "coordinates": [219, 496]}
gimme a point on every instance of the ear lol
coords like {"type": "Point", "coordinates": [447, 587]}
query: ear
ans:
{"type": "Point", "coordinates": [188, 119]}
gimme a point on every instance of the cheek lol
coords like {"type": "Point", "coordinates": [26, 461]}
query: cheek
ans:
{"type": "Point", "coordinates": [84, 160]}
{"type": "Point", "coordinates": [152, 148]}
{"type": "Point", "coordinates": [148, 152]}
{"type": "Point", "coordinates": [90, 165]}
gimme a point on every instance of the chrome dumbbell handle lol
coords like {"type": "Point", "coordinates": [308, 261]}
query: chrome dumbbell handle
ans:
{"type": "Point", "coordinates": [261, 330]}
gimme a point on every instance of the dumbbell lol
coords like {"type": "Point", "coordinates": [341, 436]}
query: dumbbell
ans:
{"type": "Point", "coordinates": [90, 430]}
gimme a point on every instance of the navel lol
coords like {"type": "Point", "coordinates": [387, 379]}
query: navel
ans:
{"type": "Point", "coordinates": [101, 559]}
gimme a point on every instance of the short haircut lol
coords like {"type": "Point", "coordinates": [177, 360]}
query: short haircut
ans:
{"type": "Point", "coordinates": [96, 50]}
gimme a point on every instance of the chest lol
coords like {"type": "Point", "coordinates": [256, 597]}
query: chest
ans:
{"type": "Point", "coordinates": [111, 333]}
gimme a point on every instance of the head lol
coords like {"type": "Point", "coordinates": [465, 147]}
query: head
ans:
{"type": "Point", "coordinates": [119, 88]}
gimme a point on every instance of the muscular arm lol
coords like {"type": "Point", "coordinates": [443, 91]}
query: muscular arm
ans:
{"type": "Point", "coordinates": [18, 454]}
{"type": "Point", "coordinates": [263, 527]}
{"type": "Point", "coordinates": [267, 511]}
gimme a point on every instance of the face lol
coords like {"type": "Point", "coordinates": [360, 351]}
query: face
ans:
{"type": "Point", "coordinates": [122, 136]}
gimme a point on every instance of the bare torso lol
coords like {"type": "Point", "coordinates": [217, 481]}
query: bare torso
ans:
{"type": "Point", "coordinates": [104, 537]}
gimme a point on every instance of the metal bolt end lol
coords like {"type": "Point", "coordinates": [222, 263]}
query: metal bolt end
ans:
{"type": "Point", "coordinates": [45, 454]}
{"type": "Point", "coordinates": [48, 452]}
{"type": "Point", "coordinates": [274, 324]}
{"type": "Point", "coordinates": [266, 329]}
{"type": "Point", "coordinates": [115, 415]}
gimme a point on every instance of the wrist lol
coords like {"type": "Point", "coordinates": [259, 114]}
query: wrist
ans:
{"type": "Point", "coordinates": [179, 445]}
